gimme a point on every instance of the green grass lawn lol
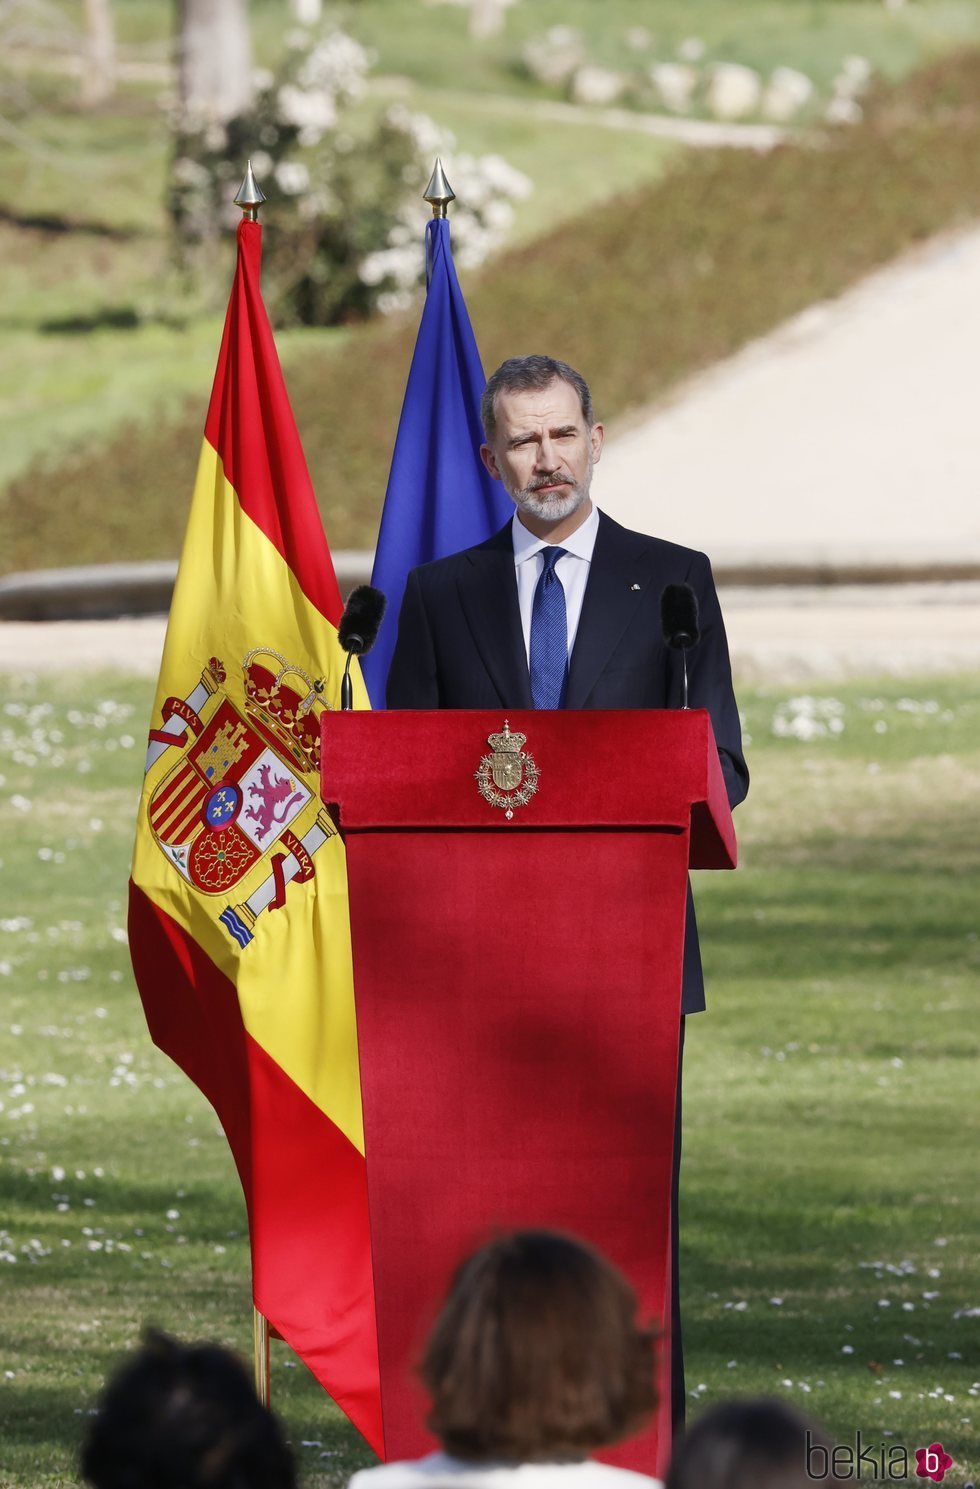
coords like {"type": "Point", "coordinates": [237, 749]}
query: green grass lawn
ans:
{"type": "Point", "coordinates": [830, 1203]}
{"type": "Point", "coordinates": [831, 1130]}
{"type": "Point", "coordinates": [432, 45]}
{"type": "Point", "coordinates": [100, 333]}
{"type": "Point", "coordinates": [100, 338]}
{"type": "Point", "coordinates": [662, 283]}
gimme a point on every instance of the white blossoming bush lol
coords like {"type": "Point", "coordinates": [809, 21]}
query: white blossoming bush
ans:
{"type": "Point", "coordinates": [688, 81]}
{"type": "Point", "coordinates": [345, 218]}
{"type": "Point", "coordinates": [479, 221]}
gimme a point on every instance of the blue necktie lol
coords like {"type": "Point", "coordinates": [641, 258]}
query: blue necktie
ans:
{"type": "Point", "coordinates": [549, 636]}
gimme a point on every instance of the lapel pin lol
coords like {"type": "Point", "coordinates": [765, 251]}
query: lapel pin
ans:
{"type": "Point", "coordinates": [634, 586]}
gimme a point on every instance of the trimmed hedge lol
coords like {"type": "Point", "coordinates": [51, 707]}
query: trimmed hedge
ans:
{"type": "Point", "coordinates": [638, 295]}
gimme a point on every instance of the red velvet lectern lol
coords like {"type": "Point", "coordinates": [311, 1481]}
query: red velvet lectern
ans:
{"type": "Point", "coordinates": [517, 914]}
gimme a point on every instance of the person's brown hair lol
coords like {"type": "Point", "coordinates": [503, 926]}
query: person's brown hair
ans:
{"type": "Point", "coordinates": [537, 1354]}
{"type": "Point", "coordinates": [755, 1444]}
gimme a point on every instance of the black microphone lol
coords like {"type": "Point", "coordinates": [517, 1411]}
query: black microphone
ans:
{"type": "Point", "coordinates": [679, 616]}
{"type": "Point", "coordinates": [358, 631]}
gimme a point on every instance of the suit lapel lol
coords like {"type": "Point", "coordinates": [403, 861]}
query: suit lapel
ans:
{"type": "Point", "coordinates": [610, 603]}
{"type": "Point", "coordinates": [488, 595]}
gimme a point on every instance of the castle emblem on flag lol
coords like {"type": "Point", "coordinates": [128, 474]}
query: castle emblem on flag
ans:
{"type": "Point", "coordinates": [509, 777]}
{"type": "Point", "coordinates": [246, 783]}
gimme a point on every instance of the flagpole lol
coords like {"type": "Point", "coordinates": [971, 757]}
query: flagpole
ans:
{"type": "Point", "coordinates": [250, 197]}
{"type": "Point", "coordinates": [439, 193]}
{"type": "Point", "coordinates": [260, 1355]}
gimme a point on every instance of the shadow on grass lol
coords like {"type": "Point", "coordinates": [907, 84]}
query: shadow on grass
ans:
{"type": "Point", "coordinates": [809, 924]}
{"type": "Point", "coordinates": [44, 1415]}
{"type": "Point", "coordinates": [109, 318]}
{"type": "Point", "coordinates": [37, 1409]}
{"type": "Point", "coordinates": [820, 1267]}
{"type": "Point", "coordinates": [58, 224]}
{"type": "Point", "coordinates": [207, 1212]}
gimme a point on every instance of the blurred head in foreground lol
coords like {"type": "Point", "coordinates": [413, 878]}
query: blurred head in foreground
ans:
{"type": "Point", "coordinates": [752, 1445]}
{"type": "Point", "coordinates": [184, 1416]}
{"type": "Point", "coordinates": [537, 1354]}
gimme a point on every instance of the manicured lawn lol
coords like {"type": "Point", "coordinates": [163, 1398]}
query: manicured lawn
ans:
{"type": "Point", "coordinates": [640, 293]}
{"type": "Point", "coordinates": [100, 332]}
{"type": "Point", "coordinates": [830, 1128]}
{"type": "Point", "coordinates": [103, 341]}
{"type": "Point", "coordinates": [830, 1197]}
{"type": "Point", "coordinates": [431, 43]}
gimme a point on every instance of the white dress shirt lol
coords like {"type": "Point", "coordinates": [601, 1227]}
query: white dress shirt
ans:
{"type": "Point", "coordinates": [572, 569]}
{"type": "Point", "coordinates": [439, 1469]}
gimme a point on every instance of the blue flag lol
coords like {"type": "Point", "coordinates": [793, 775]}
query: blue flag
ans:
{"type": "Point", "coordinates": [440, 498]}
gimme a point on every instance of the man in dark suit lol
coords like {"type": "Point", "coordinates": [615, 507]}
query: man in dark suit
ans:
{"type": "Point", "coordinates": [561, 609]}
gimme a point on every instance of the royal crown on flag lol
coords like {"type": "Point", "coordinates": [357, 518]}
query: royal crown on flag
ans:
{"type": "Point", "coordinates": [283, 711]}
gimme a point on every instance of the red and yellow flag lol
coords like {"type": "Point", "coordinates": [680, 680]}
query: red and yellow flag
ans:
{"type": "Point", "coordinates": [238, 918]}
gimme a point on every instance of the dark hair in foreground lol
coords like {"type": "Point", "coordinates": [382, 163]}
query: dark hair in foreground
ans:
{"type": "Point", "coordinates": [749, 1445]}
{"type": "Point", "coordinates": [526, 374]}
{"type": "Point", "coordinates": [536, 1353]}
{"type": "Point", "coordinates": [184, 1416]}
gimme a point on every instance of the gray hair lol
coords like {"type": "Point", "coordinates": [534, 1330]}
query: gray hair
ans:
{"type": "Point", "coordinates": [521, 375]}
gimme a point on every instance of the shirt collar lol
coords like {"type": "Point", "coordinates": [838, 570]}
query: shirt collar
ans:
{"type": "Point", "coordinates": [581, 543]}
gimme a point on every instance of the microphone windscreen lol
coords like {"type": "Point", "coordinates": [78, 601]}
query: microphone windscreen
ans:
{"type": "Point", "coordinates": [361, 620]}
{"type": "Point", "coordinates": [679, 614]}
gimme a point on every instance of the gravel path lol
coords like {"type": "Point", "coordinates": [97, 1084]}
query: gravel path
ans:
{"type": "Point", "coordinates": [847, 436]}
{"type": "Point", "coordinates": [778, 634]}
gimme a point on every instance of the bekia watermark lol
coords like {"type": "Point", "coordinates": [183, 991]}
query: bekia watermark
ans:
{"type": "Point", "coordinates": [932, 1462]}
{"type": "Point", "coordinates": [861, 1460]}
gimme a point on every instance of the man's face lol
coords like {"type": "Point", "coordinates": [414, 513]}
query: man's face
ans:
{"type": "Point", "coordinates": [543, 451]}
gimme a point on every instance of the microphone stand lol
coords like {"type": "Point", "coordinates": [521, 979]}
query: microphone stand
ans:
{"type": "Point", "coordinates": [679, 617]}
{"type": "Point", "coordinates": [683, 641]}
{"type": "Point", "coordinates": [347, 687]}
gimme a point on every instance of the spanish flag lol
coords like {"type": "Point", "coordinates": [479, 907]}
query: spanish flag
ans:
{"type": "Point", "coordinates": [238, 921]}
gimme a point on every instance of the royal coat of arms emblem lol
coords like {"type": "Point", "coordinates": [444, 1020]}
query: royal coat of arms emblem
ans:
{"type": "Point", "coordinates": [509, 777]}
{"type": "Point", "coordinates": [244, 786]}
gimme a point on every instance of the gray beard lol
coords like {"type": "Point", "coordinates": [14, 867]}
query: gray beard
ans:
{"type": "Point", "coordinates": [558, 505]}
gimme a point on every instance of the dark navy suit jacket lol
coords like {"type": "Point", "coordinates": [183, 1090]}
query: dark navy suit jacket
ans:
{"type": "Point", "coordinates": [460, 645]}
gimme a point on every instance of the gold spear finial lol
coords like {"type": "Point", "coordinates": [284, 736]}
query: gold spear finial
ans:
{"type": "Point", "coordinates": [250, 196]}
{"type": "Point", "coordinates": [439, 193]}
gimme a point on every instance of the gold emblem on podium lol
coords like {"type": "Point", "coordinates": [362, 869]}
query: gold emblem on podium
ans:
{"type": "Point", "coordinates": [509, 777]}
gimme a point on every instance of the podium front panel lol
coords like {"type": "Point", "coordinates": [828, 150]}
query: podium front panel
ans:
{"type": "Point", "coordinates": [518, 1004]}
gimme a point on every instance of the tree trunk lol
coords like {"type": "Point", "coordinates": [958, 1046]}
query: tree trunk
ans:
{"type": "Point", "coordinates": [214, 59]}
{"type": "Point", "coordinates": [486, 18]}
{"type": "Point", "coordinates": [99, 77]}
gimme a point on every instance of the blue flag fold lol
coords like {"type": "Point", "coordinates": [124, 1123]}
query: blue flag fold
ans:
{"type": "Point", "coordinates": [439, 498]}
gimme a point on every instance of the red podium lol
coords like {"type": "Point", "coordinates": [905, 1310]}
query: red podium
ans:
{"type": "Point", "coordinates": [517, 903]}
